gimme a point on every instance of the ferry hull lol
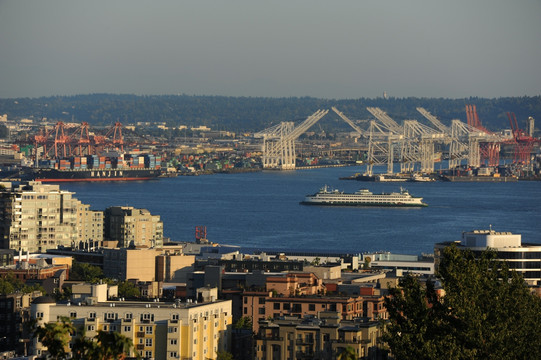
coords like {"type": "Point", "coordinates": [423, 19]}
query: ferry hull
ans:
{"type": "Point", "coordinates": [361, 204]}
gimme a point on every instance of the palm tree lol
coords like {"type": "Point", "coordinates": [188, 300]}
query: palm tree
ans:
{"type": "Point", "coordinates": [112, 346]}
{"type": "Point", "coordinates": [347, 353]}
{"type": "Point", "coordinates": [56, 337]}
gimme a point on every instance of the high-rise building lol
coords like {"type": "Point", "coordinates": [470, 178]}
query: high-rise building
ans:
{"type": "Point", "coordinates": [35, 217]}
{"type": "Point", "coordinates": [133, 227]}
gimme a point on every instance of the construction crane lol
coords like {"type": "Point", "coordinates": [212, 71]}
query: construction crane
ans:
{"type": "Point", "coordinates": [523, 143]}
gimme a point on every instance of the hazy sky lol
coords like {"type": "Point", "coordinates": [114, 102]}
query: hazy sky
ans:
{"type": "Point", "coordinates": [327, 49]}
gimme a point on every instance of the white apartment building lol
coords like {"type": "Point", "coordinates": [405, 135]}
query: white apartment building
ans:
{"type": "Point", "coordinates": [35, 217]}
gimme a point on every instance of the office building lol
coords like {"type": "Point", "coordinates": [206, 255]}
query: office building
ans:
{"type": "Point", "coordinates": [525, 258]}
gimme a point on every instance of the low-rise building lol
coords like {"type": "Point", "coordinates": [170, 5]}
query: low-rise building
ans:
{"type": "Point", "coordinates": [126, 264]}
{"type": "Point", "coordinates": [524, 258]}
{"type": "Point", "coordinates": [324, 336]}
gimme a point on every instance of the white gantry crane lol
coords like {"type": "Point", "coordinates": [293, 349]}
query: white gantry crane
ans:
{"type": "Point", "coordinates": [384, 140]}
{"type": "Point", "coordinates": [279, 142]}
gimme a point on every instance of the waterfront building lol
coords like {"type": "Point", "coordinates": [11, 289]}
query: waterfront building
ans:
{"type": "Point", "coordinates": [525, 258]}
{"type": "Point", "coordinates": [35, 217]}
{"type": "Point", "coordinates": [323, 336]}
{"type": "Point", "coordinates": [406, 263]}
{"type": "Point", "coordinates": [133, 227]}
{"type": "Point", "coordinates": [158, 330]}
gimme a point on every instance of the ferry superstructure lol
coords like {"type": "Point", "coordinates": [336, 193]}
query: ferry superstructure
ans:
{"type": "Point", "coordinates": [362, 197]}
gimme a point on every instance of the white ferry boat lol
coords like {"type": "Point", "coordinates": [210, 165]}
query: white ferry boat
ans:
{"type": "Point", "coordinates": [363, 197]}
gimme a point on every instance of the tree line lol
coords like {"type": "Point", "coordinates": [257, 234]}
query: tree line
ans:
{"type": "Point", "coordinates": [256, 113]}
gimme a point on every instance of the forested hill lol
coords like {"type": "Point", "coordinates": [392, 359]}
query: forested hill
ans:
{"type": "Point", "coordinates": [256, 113]}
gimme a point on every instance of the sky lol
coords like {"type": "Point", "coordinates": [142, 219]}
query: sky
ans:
{"type": "Point", "coordinates": [325, 49]}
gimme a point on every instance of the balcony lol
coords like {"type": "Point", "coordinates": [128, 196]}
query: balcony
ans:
{"type": "Point", "coordinates": [140, 346]}
{"type": "Point", "coordinates": [140, 334]}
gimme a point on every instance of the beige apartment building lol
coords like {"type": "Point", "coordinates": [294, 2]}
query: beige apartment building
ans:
{"type": "Point", "coordinates": [89, 227]}
{"type": "Point", "coordinates": [133, 227]}
{"type": "Point", "coordinates": [35, 217]}
{"type": "Point", "coordinates": [324, 336]}
{"type": "Point", "coordinates": [160, 331]}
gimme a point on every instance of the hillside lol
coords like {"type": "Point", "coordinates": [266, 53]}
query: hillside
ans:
{"type": "Point", "coordinates": [257, 113]}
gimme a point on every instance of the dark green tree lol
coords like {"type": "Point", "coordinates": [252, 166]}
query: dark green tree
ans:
{"type": "Point", "coordinates": [244, 322]}
{"type": "Point", "coordinates": [224, 355]}
{"type": "Point", "coordinates": [485, 312]}
{"type": "Point", "coordinates": [85, 272]}
{"type": "Point", "coordinates": [128, 290]}
{"type": "Point", "coordinates": [347, 353]}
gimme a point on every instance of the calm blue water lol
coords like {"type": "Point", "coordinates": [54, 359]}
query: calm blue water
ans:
{"type": "Point", "coordinates": [262, 211]}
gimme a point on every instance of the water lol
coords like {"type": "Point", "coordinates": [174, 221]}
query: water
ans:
{"type": "Point", "coordinates": [262, 211]}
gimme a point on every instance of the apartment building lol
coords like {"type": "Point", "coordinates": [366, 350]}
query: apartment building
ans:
{"type": "Point", "coordinates": [36, 217]}
{"type": "Point", "coordinates": [160, 331]}
{"type": "Point", "coordinates": [89, 227]}
{"type": "Point", "coordinates": [324, 336]}
{"type": "Point", "coordinates": [133, 227]}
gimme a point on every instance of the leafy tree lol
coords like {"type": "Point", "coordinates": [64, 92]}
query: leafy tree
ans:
{"type": "Point", "coordinates": [486, 312]}
{"type": "Point", "coordinates": [347, 353]}
{"type": "Point", "coordinates": [224, 355]}
{"type": "Point", "coordinates": [127, 289]}
{"type": "Point", "coordinates": [104, 346]}
{"type": "Point", "coordinates": [111, 346]}
{"type": "Point", "coordinates": [244, 322]}
{"type": "Point", "coordinates": [85, 272]}
{"type": "Point", "coordinates": [9, 284]}
{"type": "Point", "coordinates": [56, 337]}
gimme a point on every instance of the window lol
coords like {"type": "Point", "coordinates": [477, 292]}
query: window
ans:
{"type": "Point", "coordinates": [261, 311]}
{"type": "Point", "coordinates": [148, 342]}
{"type": "Point", "coordinates": [128, 316]}
{"type": "Point", "coordinates": [287, 306]}
{"type": "Point", "coordinates": [105, 328]}
{"type": "Point", "coordinates": [147, 317]}
{"type": "Point", "coordinates": [174, 317]}
{"type": "Point", "coordinates": [127, 328]}
{"type": "Point", "coordinates": [90, 328]}
{"type": "Point", "coordinates": [39, 315]}
{"type": "Point", "coordinates": [148, 354]}
{"type": "Point", "coordinates": [173, 354]}
{"type": "Point", "coordinates": [172, 329]}
{"type": "Point", "coordinates": [148, 330]}
{"type": "Point", "coordinates": [173, 342]}
{"type": "Point", "coordinates": [276, 306]}
{"type": "Point", "coordinates": [92, 315]}
{"type": "Point", "coordinates": [261, 300]}
{"type": "Point", "coordinates": [312, 307]}
{"type": "Point", "coordinates": [73, 314]}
